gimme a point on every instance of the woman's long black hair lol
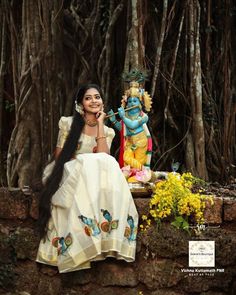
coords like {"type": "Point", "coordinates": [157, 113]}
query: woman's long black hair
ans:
{"type": "Point", "coordinates": [68, 150]}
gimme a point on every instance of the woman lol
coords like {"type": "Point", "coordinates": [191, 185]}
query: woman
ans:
{"type": "Point", "coordinates": [86, 211]}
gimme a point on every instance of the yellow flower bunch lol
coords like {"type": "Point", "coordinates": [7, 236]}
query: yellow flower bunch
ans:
{"type": "Point", "coordinates": [173, 197]}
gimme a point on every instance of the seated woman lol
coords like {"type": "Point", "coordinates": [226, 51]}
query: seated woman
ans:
{"type": "Point", "coordinates": [86, 210]}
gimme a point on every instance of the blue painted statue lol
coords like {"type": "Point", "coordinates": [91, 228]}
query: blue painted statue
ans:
{"type": "Point", "coordinates": [136, 142]}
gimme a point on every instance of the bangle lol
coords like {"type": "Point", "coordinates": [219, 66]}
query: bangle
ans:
{"type": "Point", "coordinates": [100, 137]}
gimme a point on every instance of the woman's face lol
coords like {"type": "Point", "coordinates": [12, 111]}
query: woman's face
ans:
{"type": "Point", "coordinates": [92, 101]}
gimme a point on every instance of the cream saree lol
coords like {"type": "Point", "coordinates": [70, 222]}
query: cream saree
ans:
{"type": "Point", "coordinates": [93, 215]}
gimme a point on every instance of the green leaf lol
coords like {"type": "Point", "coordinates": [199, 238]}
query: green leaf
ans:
{"type": "Point", "coordinates": [185, 225]}
{"type": "Point", "coordinates": [180, 219]}
{"type": "Point", "coordinates": [176, 224]}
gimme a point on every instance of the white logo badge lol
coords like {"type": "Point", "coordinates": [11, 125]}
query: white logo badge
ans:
{"type": "Point", "coordinates": [201, 253]}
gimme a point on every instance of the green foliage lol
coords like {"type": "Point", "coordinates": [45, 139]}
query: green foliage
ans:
{"type": "Point", "coordinates": [180, 222]}
{"type": "Point", "coordinates": [9, 106]}
{"type": "Point", "coordinates": [174, 198]}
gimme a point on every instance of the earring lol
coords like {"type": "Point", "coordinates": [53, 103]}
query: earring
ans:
{"type": "Point", "coordinates": [79, 108]}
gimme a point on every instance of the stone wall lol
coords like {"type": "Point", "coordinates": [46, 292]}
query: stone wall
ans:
{"type": "Point", "coordinates": [161, 266]}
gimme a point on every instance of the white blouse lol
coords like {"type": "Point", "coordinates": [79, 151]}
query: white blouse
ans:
{"type": "Point", "coordinates": [86, 143]}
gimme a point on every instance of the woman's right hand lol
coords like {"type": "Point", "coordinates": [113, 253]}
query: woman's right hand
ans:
{"type": "Point", "coordinates": [112, 117]}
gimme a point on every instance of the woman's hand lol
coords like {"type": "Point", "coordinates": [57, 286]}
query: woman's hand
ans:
{"type": "Point", "coordinates": [100, 116]}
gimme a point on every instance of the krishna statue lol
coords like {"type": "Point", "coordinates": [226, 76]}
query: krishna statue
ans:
{"type": "Point", "coordinates": [136, 142]}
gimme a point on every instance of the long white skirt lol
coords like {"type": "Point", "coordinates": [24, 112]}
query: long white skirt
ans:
{"type": "Point", "coordinates": [93, 215]}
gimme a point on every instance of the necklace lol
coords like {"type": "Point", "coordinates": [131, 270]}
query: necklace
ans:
{"type": "Point", "coordinates": [90, 123]}
{"type": "Point", "coordinates": [133, 117]}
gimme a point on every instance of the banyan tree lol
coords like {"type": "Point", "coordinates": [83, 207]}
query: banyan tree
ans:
{"type": "Point", "coordinates": [49, 48]}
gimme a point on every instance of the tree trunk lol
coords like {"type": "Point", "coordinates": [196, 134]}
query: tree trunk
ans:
{"type": "Point", "coordinates": [135, 52]}
{"type": "Point", "coordinates": [3, 42]}
{"type": "Point", "coordinates": [196, 90]}
{"type": "Point", "coordinates": [159, 48]}
{"type": "Point", "coordinates": [37, 75]}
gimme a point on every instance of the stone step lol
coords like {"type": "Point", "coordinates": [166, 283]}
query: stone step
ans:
{"type": "Point", "coordinates": [161, 266]}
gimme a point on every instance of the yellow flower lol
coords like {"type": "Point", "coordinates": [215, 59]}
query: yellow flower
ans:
{"type": "Point", "coordinates": [173, 196]}
{"type": "Point", "coordinates": [149, 221]}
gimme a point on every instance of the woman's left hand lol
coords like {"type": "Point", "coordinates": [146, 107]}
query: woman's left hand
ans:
{"type": "Point", "coordinates": [100, 116]}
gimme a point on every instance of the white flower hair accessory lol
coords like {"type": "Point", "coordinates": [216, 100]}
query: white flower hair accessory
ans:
{"type": "Point", "coordinates": [79, 108]}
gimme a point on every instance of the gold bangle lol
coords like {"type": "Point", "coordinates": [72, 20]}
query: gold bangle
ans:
{"type": "Point", "coordinates": [100, 137]}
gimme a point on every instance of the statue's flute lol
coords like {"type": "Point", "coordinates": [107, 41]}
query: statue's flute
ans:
{"type": "Point", "coordinates": [133, 107]}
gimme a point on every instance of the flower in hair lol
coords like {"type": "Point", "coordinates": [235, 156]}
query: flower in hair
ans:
{"type": "Point", "coordinates": [79, 108]}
